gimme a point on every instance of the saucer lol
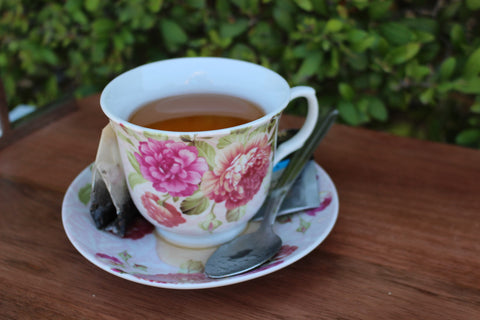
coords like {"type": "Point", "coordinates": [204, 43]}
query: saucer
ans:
{"type": "Point", "coordinates": [144, 258]}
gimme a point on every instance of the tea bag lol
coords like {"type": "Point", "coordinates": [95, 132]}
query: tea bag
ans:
{"type": "Point", "coordinates": [303, 195]}
{"type": "Point", "coordinates": [111, 208]}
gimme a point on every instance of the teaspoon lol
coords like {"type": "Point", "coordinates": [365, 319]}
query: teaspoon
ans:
{"type": "Point", "coordinates": [251, 250]}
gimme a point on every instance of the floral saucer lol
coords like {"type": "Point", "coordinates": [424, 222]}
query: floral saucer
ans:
{"type": "Point", "coordinates": [144, 258]}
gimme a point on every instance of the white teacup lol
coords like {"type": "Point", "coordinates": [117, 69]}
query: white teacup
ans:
{"type": "Point", "coordinates": [228, 172]}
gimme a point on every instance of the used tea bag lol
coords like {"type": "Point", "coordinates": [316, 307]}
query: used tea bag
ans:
{"type": "Point", "coordinates": [111, 207]}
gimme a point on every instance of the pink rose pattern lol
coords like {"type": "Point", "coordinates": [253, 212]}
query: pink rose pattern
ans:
{"type": "Point", "coordinates": [323, 205]}
{"type": "Point", "coordinates": [172, 167]}
{"type": "Point", "coordinates": [239, 172]}
{"type": "Point", "coordinates": [166, 214]}
{"type": "Point", "coordinates": [125, 267]}
{"type": "Point", "coordinates": [179, 169]}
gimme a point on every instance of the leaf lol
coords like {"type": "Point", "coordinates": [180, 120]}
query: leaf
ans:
{"type": "Point", "coordinates": [243, 52]}
{"type": "Point", "coordinates": [365, 44]}
{"type": "Point", "coordinates": [424, 37]}
{"type": "Point", "coordinates": [135, 178]}
{"type": "Point", "coordinates": [304, 4]}
{"type": "Point", "coordinates": [124, 255]}
{"type": "Point", "coordinates": [172, 33]}
{"type": "Point", "coordinates": [259, 130]}
{"type": "Point", "coordinates": [404, 53]}
{"type": "Point", "coordinates": [348, 112]}
{"type": "Point", "coordinates": [236, 214]}
{"type": "Point", "coordinates": [427, 96]}
{"type": "Point", "coordinates": [446, 68]}
{"type": "Point", "coordinates": [124, 138]}
{"type": "Point", "coordinates": [360, 4]}
{"type": "Point", "coordinates": [380, 9]}
{"type": "Point", "coordinates": [48, 56]}
{"type": "Point", "coordinates": [103, 28]}
{"type": "Point", "coordinates": [475, 107]}
{"type": "Point", "coordinates": [211, 223]}
{"type": "Point", "coordinates": [133, 161]}
{"type": "Point", "coordinates": [192, 266]}
{"type": "Point", "coordinates": [377, 109]}
{"type": "Point", "coordinates": [186, 138]}
{"type": "Point", "coordinates": [473, 4]}
{"type": "Point", "coordinates": [469, 86]}
{"type": "Point", "coordinates": [206, 151]}
{"type": "Point", "coordinates": [428, 25]}
{"type": "Point", "coordinates": [346, 91]}
{"type": "Point", "coordinates": [334, 66]}
{"type": "Point", "coordinates": [155, 136]}
{"type": "Point", "coordinates": [304, 225]}
{"type": "Point", "coordinates": [468, 137]}
{"type": "Point", "coordinates": [333, 26]}
{"type": "Point", "coordinates": [417, 71]}
{"type": "Point", "coordinates": [239, 135]}
{"type": "Point", "coordinates": [84, 193]}
{"type": "Point", "coordinates": [265, 38]}
{"type": "Point", "coordinates": [155, 5]}
{"type": "Point", "coordinates": [196, 204]}
{"type": "Point", "coordinates": [140, 267]}
{"type": "Point", "coordinates": [396, 33]}
{"type": "Point", "coordinates": [300, 51]}
{"type": "Point", "coordinates": [310, 65]}
{"type": "Point", "coordinates": [457, 35]}
{"type": "Point", "coordinates": [356, 35]}
{"type": "Point", "coordinates": [361, 40]}
{"type": "Point", "coordinates": [231, 30]}
{"type": "Point", "coordinates": [283, 18]}
{"type": "Point", "coordinates": [472, 66]}
{"type": "Point", "coordinates": [92, 5]}
{"type": "Point", "coordinates": [247, 6]}
{"type": "Point", "coordinates": [197, 4]}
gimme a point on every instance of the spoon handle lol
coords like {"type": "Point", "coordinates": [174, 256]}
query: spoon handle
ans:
{"type": "Point", "coordinates": [302, 155]}
{"type": "Point", "coordinates": [294, 167]}
{"type": "Point", "coordinates": [273, 203]}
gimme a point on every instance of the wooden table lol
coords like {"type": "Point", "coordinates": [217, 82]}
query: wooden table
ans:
{"type": "Point", "coordinates": [406, 244]}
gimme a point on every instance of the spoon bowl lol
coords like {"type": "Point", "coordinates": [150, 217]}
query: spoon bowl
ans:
{"type": "Point", "coordinates": [240, 256]}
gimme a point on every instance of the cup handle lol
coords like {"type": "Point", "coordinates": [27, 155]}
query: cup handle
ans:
{"type": "Point", "coordinates": [297, 141]}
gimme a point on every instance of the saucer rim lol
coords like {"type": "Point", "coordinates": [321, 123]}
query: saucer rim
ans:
{"type": "Point", "coordinates": [213, 283]}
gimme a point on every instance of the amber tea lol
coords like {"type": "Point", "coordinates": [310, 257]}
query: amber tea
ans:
{"type": "Point", "coordinates": [196, 112]}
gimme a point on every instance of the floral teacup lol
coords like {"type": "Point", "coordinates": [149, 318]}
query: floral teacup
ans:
{"type": "Point", "coordinates": [200, 189]}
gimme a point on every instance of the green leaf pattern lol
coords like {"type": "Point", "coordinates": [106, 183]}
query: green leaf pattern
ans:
{"type": "Point", "coordinates": [304, 225]}
{"type": "Point", "coordinates": [206, 151]}
{"type": "Point", "coordinates": [84, 194]}
{"type": "Point", "coordinates": [135, 178]}
{"type": "Point", "coordinates": [211, 223]}
{"type": "Point", "coordinates": [196, 204]}
{"type": "Point", "coordinates": [236, 214]}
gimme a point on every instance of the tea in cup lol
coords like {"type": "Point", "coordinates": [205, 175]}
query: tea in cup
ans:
{"type": "Point", "coordinates": [197, 139]}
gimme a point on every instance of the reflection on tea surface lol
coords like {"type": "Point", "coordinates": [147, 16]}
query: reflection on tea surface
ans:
{"type": "Point", "coordinates": [196, 112]}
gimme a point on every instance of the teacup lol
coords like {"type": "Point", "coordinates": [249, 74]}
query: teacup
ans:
{"type": "Point", "coordinates": [221, 176]}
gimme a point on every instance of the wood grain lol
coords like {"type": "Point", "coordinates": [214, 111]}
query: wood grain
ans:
{"type": "Point", "coordinates": [406, 244]}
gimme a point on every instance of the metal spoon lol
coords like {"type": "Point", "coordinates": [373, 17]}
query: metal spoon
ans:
{"type": "Point", "coordinates": [252, 250]}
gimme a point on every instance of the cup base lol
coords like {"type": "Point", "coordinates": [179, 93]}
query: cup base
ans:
{"type": "Point", "coordinates": [197, 242]}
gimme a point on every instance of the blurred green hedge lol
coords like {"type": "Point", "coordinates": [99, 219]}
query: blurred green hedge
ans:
{"type": "Point", "coordinates": [407, 67]}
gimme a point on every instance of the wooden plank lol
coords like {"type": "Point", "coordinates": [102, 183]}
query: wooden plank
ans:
{"type": "Point", "coordinates": [406, 244]}
{"type": "Point", "coordinates": [44, 116]}
{"type": "Point", "coordinates": [4, 122]}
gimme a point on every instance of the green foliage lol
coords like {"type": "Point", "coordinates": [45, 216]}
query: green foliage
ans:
{"type": "Point", "coordinates": [408, 67]}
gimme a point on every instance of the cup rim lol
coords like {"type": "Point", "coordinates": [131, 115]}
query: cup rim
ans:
{"type": "Point", "coordinates": [265, 118]}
